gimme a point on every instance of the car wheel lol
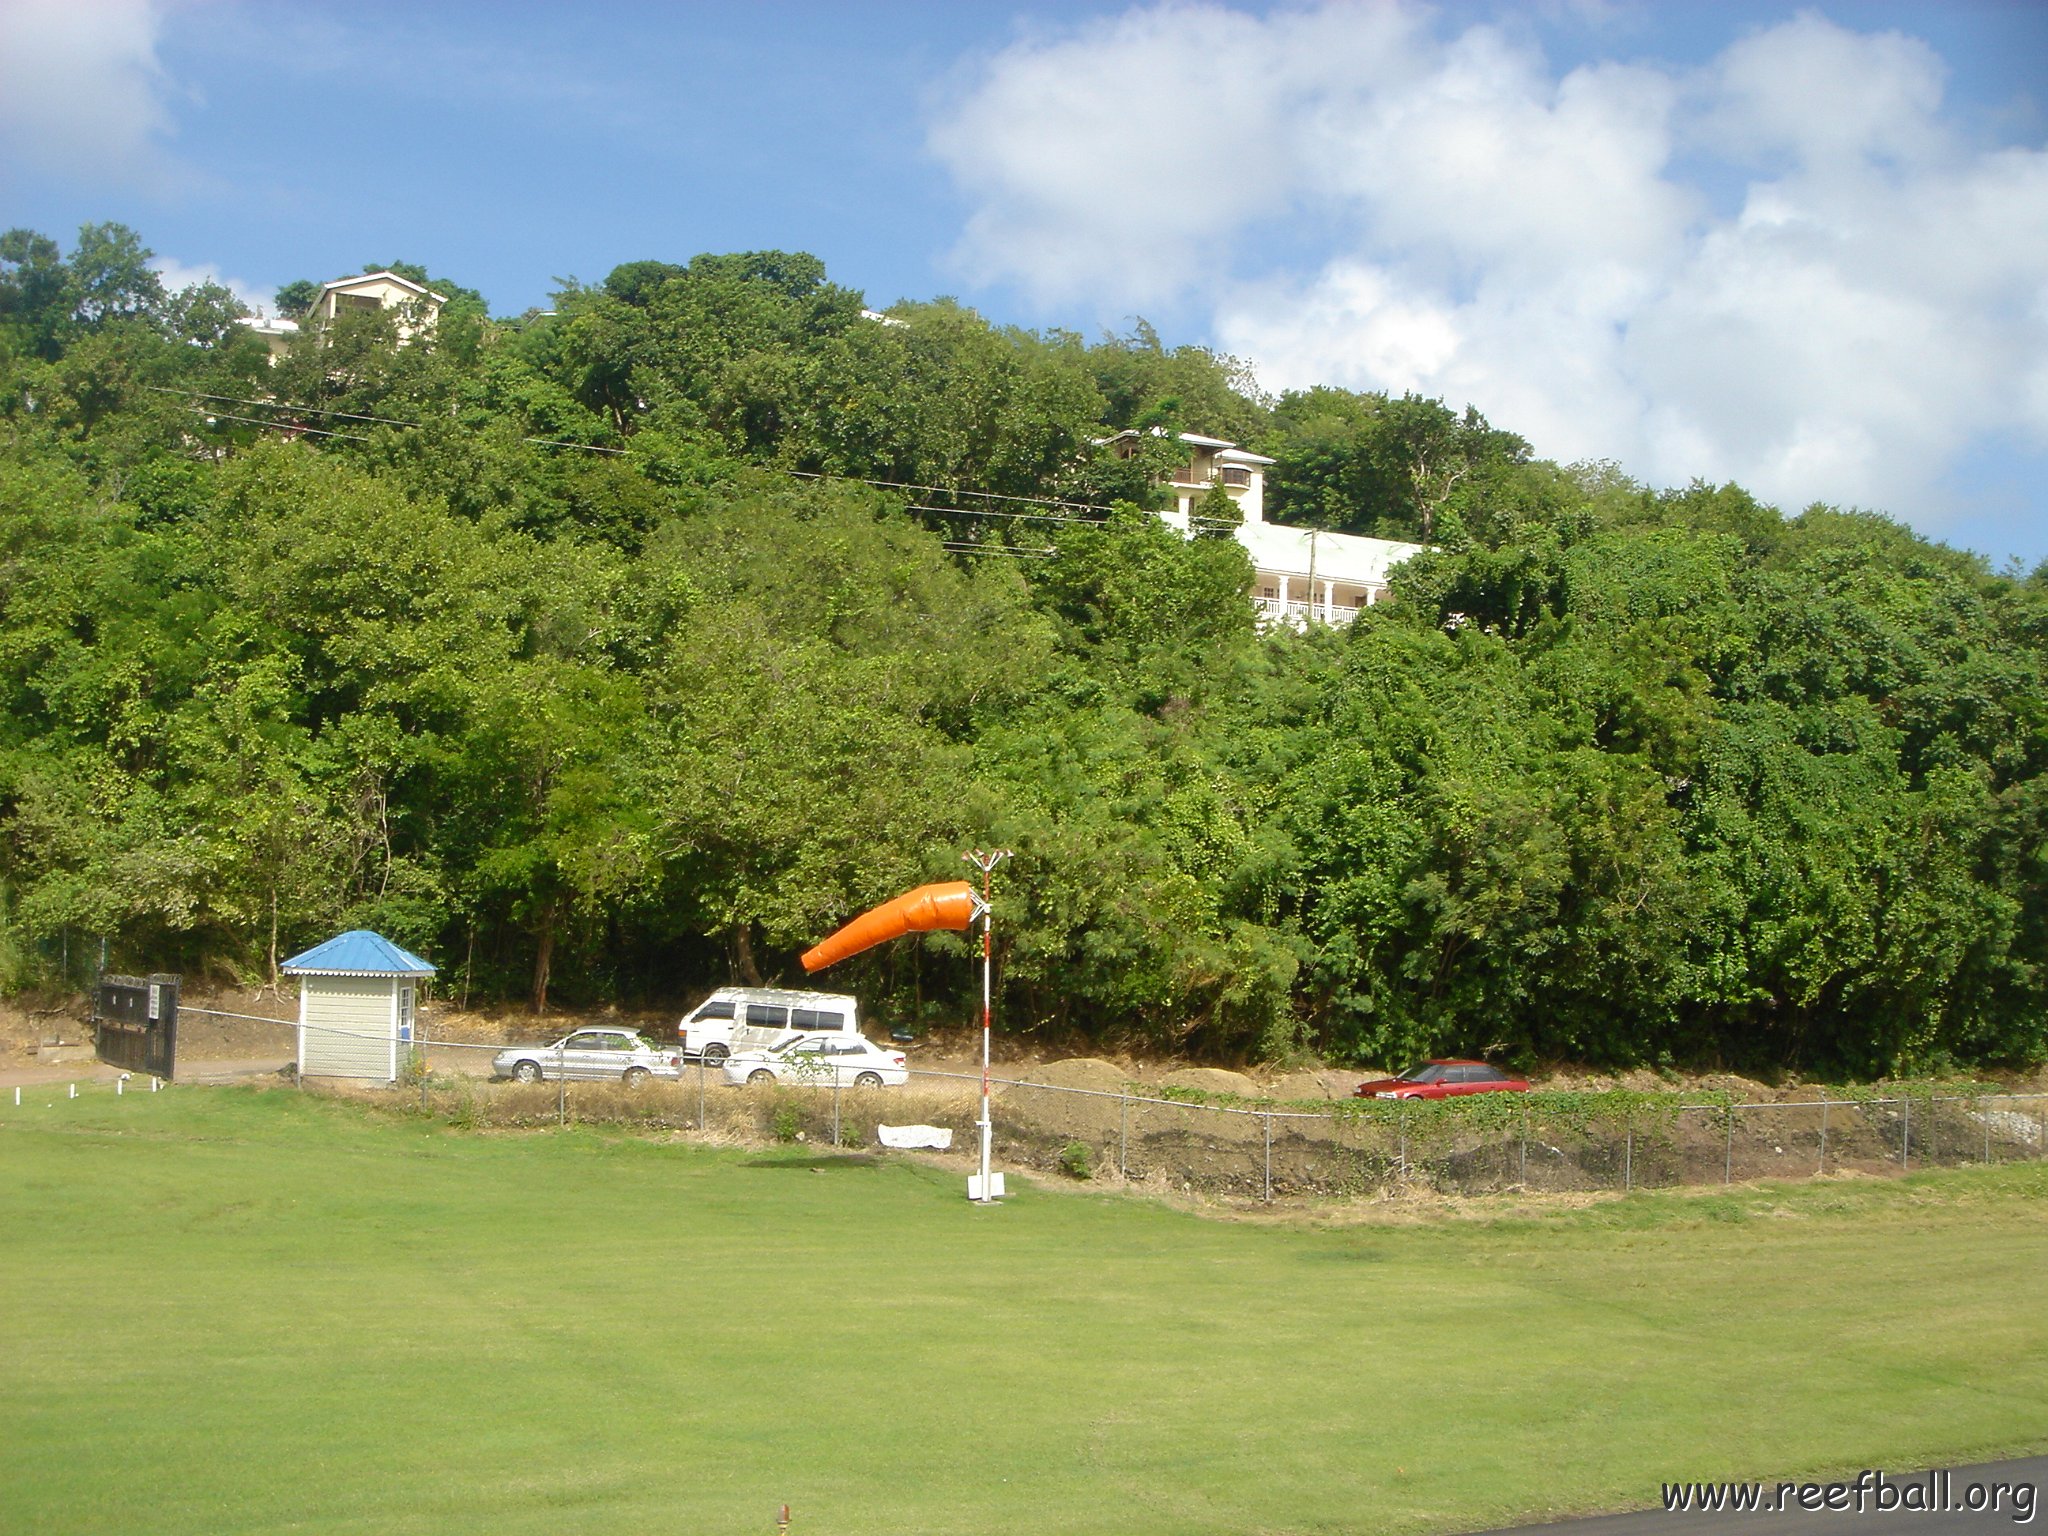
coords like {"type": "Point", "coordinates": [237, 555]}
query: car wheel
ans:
{"type": "Point", "coordinates": [715, 1053]}
{"type": "Point", "coordinates": [868, 1080]}
{"type": "Point", "coordinates": [527, 1071]}
{"type": "Point", "coordinates": [760, 1075]}
{"type": "Point", "coordinates": [635, 1076]}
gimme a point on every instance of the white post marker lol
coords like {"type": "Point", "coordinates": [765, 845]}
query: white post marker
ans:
{"type": "Point", "coordinates": [985, 1187]}
{"type": "Point", "coordinates": [74, 1091]}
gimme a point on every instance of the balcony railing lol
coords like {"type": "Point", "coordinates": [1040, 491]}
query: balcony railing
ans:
{"type": "Point", "coordinates": [1300, 614]}
{"type": "Point", "coordinates": [1229, 477]}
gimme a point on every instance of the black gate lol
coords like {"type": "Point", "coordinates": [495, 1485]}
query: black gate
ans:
{"type": "Point", "coordinates": [135, 1023]}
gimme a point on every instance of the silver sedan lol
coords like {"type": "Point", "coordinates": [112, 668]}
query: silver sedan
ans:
{"type": "Point", "coordinates": [850, 1061]}
{"type": "Point", "coordinates": [617, 1055]}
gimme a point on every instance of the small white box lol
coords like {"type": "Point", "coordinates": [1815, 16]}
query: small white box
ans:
{"type": "Point", "coordinates": [995, 1187]}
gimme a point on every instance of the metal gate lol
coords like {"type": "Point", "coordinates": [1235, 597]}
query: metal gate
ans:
{"type": "Point", "coordinates": [135, 1023]}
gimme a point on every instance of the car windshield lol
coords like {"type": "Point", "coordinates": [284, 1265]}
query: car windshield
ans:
{"type": "Point", "coordinates": [1428, 1072]}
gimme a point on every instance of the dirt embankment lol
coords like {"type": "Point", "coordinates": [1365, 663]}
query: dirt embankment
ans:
{"type": "Point", "coordinates": [28, 1022]}
{"type": "Point", "coordinates": [235, 1024]}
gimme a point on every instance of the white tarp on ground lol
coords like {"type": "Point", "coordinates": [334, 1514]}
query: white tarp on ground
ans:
{"type": "Point", "coordinates": [915, 1136]}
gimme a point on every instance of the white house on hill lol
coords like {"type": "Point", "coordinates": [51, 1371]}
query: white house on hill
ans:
{"type": "Point", "coordinates": [418, 308]}
{"type": "Point", "coordinates": [1304, 574]}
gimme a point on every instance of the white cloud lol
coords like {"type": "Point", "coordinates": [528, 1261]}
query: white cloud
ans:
{"type": "Point", "coordinates": [81, 91]}
{"type": "Point", "coordinates": [178, 275]}
{"type": "Point", "coordinates": [1162, 132]}
{"type": "Point", "coordinates": [1868, 308]}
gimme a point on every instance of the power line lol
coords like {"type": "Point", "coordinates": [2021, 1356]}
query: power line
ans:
{"type": "Point", "coordinates": [321, 410]}
{"type": "Point", "coordinates": [947, 490]}
{"type": "Point", "coordinates": [1035, 517]}
{"type": "Point", "coordinates": [1067, 513]}
{"type": "Point", "coordinates": [281, 426]}
{"type": "Point", "coordinates": [962, 547]}
{"type": "Point", "coordinates": [284, 405]}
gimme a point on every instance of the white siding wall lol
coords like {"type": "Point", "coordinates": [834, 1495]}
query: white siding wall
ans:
{"type": "Point", "coordinates": [361, 1005]}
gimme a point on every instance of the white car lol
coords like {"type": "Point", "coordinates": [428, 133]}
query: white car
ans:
{"type": "Point", "coordinates": [760, 1019]}
{"type": "Point", "coordinates": [589, 1054]}
{"type": "Point", "coordinates": [850, 1061]}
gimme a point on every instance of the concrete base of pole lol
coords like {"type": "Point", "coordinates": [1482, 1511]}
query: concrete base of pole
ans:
{"type": "Point", "coordinates": [984, 1191]}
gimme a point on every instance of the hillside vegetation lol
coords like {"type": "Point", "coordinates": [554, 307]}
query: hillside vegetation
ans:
{"type": "Point", "coordinates": [377, 637]}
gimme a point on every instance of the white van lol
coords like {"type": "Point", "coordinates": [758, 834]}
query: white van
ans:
{"type": "Point", "coordinates": [761, 1018]}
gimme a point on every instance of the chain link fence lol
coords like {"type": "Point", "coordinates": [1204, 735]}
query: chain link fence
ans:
{"type": "Point", "coordinates": [1210, 1145]}
{"type": "Point", "coordinates": [1539, 1142]}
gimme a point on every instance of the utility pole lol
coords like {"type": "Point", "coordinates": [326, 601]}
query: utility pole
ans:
{"type": "Point", "coordinates": [987, 1187]}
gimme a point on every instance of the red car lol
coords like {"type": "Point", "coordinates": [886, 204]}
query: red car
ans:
{"type": "Point", "coordinates": [1442, 1080]}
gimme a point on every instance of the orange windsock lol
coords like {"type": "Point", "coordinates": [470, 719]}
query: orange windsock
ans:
{"type": "Point", "coordinates": [948, 905]}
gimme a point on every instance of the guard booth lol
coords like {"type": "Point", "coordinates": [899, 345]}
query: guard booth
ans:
{"type": "Point", "coordinates": [358, 1006]}
{"type": "Point", "coordinates": [135, 1023]}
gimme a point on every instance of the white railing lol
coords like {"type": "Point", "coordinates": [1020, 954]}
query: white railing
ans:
{"type": "Point", "coordinates": [1299, 614]}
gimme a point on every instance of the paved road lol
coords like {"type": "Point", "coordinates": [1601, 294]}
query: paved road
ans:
{"type": "Point", "coordinates": [2021, 1483]}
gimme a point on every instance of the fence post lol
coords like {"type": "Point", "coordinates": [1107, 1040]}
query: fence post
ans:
{"type": "Point", "coordinates": [1404, 1141]}
{"type": "Point", "coordinates": [1934, 1129]}
{"type": "Point", "coordinates": [700, 1093]}
{"type": "Point", "coordinates": [1268, 1118]}
{"type": "Point", "coordinates": [835, 1106]}
{"type": "Point", "coordinates": [1985, 1120]}
{"type": "Point", "coordinates": [1522, 1176]}
{"type": "Point", "coordinates": [1823, 1168]}
{"type": "Point", "coordinates": [1628, 1156]}
{"type": "Point", "coordinates": [1728, 1156]}
{"type": "Point", "coordinates": [1123, 1120]}
{"type": "Point", "coordinates": [561, 1099]}
{"type": "Point", "coordinates": [1906, 1143]}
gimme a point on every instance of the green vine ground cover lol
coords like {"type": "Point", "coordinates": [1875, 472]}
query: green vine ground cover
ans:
{"type": "Point", "coordinates": [236, 1310]}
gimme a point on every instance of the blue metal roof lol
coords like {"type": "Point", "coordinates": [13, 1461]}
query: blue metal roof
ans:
{"type": "Point", "coordinates": [357, 953]}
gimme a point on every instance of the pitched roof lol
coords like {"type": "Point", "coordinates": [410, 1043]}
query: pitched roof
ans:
{"type": "Point", "coordinates": [357, 953]}
{"type": "Point", "coordinates": [386, 277]}
{"type": "Point", "coordinates": [1332, 556]}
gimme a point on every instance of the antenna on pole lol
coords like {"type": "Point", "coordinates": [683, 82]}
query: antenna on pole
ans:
{"type": "Point", "coordinates": [986, 1187]}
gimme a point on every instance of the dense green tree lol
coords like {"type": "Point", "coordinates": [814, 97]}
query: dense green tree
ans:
{"type": "Point", "coordinates": [573, 651]}
{"type": "Point", "coordinates": [295, 298]}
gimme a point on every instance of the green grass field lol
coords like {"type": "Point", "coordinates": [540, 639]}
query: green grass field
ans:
{"type": "Point", "coordinates": [233, 1310]}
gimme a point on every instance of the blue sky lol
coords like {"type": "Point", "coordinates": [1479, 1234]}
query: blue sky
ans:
{"type": "Point", "coordinates": [1802, 248]}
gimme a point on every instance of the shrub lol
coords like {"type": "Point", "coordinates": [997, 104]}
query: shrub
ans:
{"type": "Point", "coordinates": [787, 1122]}
{"type": "Point", "coordinates": [1075, 1159]}
{"type": "Point", "coordinates": [413, 1070]}
{"type": "Point", "coordinates": [465, 1114]}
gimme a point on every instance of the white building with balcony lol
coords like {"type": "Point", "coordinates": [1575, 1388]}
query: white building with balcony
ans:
{"type": "Point", "coordinates": [417, 306]}
{"type": "Point", "coordinates": [1304, 575]}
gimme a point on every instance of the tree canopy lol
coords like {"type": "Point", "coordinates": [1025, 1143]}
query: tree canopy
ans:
{"type": "Point", "coordinates": [621, 651]}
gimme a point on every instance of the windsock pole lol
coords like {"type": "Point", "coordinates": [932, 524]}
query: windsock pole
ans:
{"type": "Point", "coordinates": [986, 863]}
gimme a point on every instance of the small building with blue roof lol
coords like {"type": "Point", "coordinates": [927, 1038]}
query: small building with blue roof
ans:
{"type": "Point", "coordinates": [358, 1005]}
